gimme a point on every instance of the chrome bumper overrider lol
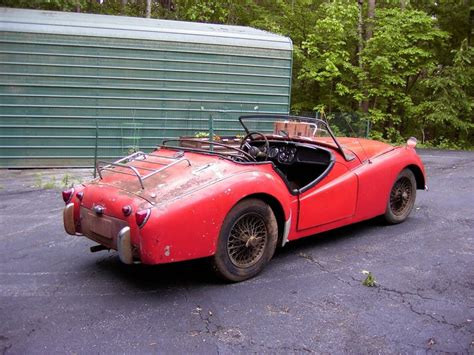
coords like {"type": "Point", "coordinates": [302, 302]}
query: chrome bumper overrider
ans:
{"type": "Point", "coordinates": [68, 219]}
{"type": "Point", "coordinates": [124, 246]}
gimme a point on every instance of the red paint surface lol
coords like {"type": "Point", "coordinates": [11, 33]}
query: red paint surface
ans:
{"type": "Point", "coordinates": [331, 200]}
{"type": "Point", "coordinates": [189, 203]}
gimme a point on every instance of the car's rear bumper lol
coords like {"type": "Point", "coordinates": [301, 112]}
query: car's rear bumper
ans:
{"type": "Point", "coordinates": [118, 239]}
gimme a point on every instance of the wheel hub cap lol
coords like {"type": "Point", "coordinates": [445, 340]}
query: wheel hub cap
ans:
{"type": "Point", "coordinates": [252, 242]}
{"type": "Point", "coordinates": [400, 196]}
{"type": "Point", "coordinates": [247, 240]}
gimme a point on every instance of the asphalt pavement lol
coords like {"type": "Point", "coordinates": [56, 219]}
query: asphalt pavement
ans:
{"type": "Point", "coordinates": [57, 297]}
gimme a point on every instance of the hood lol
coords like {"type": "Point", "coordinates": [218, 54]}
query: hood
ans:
{"type": "Point", "coordinates": [364, 148]}
{"type": "Point", "coordinates": [189, 173]}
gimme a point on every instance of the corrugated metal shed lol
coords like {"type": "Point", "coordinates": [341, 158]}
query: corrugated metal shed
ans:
{"type": "Point", "coordinates": [138, 80]}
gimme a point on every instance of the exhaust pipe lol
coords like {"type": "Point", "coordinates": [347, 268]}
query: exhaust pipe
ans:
{"type": "Point", "coordinates": [97, 248]}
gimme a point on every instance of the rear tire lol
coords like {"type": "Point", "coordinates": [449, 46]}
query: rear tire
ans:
{"type": "Point", "coordinates": [247, 241]}
{"type": "Point", "coordinates": [402, 198]}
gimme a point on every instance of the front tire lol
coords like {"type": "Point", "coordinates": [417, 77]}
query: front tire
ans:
{"type": "Point", "coordinates": [402, 198]}
{"type": "Point", "coordinates": [247, 241]}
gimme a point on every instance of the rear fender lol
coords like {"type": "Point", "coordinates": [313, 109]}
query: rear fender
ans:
{"type": "Point", "coordinates": [189, 227]}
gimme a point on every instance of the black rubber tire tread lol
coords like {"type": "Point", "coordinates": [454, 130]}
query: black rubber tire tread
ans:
{"type": "Point", "coordinates": [389, 216]}
{"type": "Point", "coordinates": [221, 262]}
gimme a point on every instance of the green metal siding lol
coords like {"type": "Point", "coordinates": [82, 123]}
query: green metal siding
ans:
{"type": "Point", "coordinates": [55, 89]}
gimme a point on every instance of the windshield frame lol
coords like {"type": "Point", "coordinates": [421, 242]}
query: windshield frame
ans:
{"type": "Point", "coordinates": [316, 121]}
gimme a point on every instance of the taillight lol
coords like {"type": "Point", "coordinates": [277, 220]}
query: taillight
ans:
{"type": "Point", "coordinates": [80, 195]}
{"type": "Point", "coordinates": [127, 210]}
{"type": "Point", "coordinates": [67, 195]}
{"type": "Point", "coordinates": [141, 217]}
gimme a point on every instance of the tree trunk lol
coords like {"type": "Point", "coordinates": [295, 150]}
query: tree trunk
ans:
{"type": "Point", "coordinates": [364, 105]}
{"type": "Point", "coordinates": [168, 5]}
{"type": "Point", "coordinates": [471, 26]}
{"type": "Point", "coordinates": [148, 8]}
{"type": "Point", "coordinates": [370, 16]}
{"type": "Point", "coordinates": [359, 33]}
{"type": "Point", "coordinates": [123, 5]}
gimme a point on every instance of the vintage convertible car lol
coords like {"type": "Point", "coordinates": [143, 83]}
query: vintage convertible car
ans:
{"type": "Point", "coordinates": [236, 205]}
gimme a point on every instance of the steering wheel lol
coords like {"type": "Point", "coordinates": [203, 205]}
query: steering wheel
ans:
{"type": "Point", "coordinates": [255, 152]}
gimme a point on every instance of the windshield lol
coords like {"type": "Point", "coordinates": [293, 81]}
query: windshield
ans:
{"type": "Point", "coordinates": [287, 126]}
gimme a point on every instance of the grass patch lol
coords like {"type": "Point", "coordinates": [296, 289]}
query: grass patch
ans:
{"type": "Point", "coordinates": [369, 279]}
{"type": "Point", "coordinates": [51, 182]}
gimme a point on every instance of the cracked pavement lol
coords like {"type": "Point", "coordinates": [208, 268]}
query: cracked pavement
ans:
{"type": "Point", "coordinates": [57, 297]}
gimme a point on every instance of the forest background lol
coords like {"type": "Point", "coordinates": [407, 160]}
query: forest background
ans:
{"type": "Point", "coordinates": [405, 66]}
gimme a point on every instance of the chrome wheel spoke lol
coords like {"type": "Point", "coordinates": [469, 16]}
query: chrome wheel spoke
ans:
{"type": "Point", "coordinates": [400, 196]}
{"type": "Point", "coordinates": [247, 240]}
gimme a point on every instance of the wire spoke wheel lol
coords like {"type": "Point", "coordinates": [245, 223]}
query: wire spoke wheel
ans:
{"type": "Point", "coordinates": [247, 240]}
{"type": "Point", "coordinates": [400, 196]}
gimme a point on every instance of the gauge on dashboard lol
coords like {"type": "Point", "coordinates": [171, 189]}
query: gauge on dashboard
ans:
{"type": "Point", "coordinates": [291, 154]}
{"type": "Point", "coordinates": [282, 156]}
{"type": "Point", "coordinates": [286, 155]}
{"type": "Point", "coordinates": [273, 152]}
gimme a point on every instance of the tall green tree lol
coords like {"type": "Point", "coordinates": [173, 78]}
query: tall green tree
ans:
{"type": "Point", "coordinates": [445, 110]}
{"type": "Point", "coordinates": [400, 52]}
{"type": "Point", "coordinates": [329, 62]}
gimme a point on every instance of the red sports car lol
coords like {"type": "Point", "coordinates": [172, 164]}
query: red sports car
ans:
{"type": "Point", "coordinates": [237, 204]}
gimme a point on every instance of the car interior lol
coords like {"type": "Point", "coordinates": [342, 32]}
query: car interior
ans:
{"type": "Point", "coordinates": [299, 164]}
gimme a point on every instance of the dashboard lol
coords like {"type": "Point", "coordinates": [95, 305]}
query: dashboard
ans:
{"type": "Point", "coordinates": [285, 154]}
{"type": "Point", "coordinates": [291, 153]}
{"type": "Point", "coordinates": [298, 163]}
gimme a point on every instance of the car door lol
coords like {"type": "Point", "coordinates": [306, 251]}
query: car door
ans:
{"type": "Point", "coordinates": [332, 199]}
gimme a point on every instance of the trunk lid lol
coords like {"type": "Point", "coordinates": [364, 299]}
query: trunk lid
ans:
{"type": "Point", "coordinates": [102, 216]}
{"type": "Point", "coordinates": [175, 177]}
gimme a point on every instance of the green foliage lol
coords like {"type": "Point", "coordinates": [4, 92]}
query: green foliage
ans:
{"type": "Point", "coordinates": [50, 183]}
{"type": "Point", "coordinates": [66, 180]}
{"type": "Point", "coordinates": [132, 149]}
{"type": "Point", "coordinates": [203, 134]}
{"type": "Point", "coordinates": [413, 77]}
{"type": "Point", "coordinates": [445, 111]}
{"type": "Point", "coordinates": [393, 60]}
{"type": "Point", "coordinates": [208, 11]}
{"type": "Point", "coordinates": [369, 279]}
{"type": "Point", "coordinates": [327, 63]}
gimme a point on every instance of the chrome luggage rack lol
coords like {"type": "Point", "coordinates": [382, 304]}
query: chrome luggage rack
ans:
{"type": "Point", "coordinates": [140, 157]}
